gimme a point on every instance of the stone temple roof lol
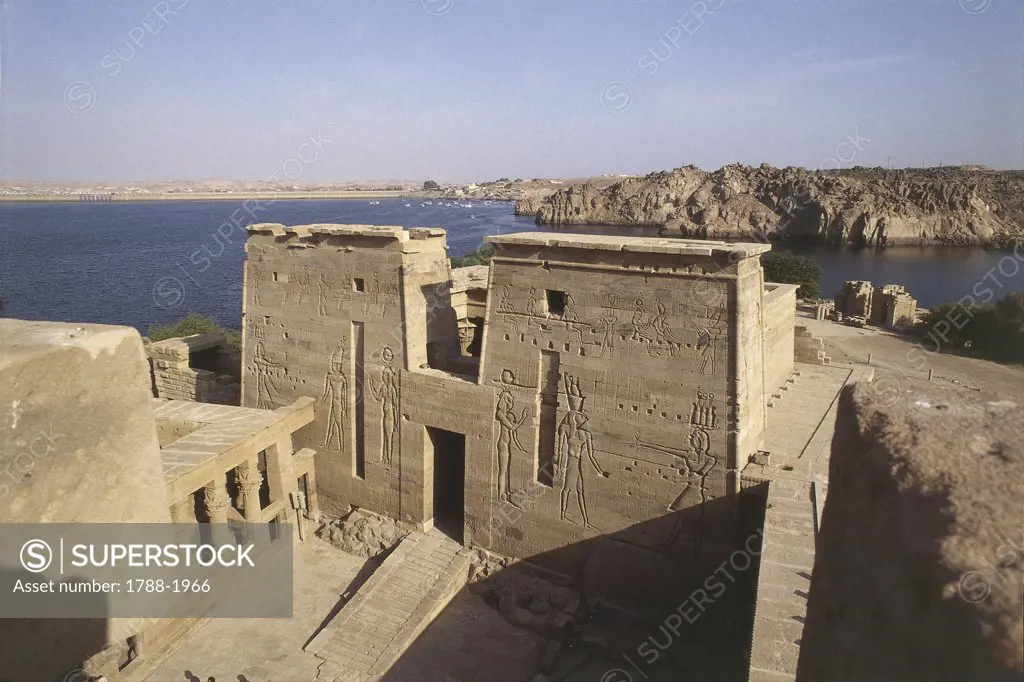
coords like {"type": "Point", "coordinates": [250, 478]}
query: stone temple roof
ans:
{"type": "Point", "coordinates": [681, 247]}
{"type": "Point", "coordinates": [392, 231]}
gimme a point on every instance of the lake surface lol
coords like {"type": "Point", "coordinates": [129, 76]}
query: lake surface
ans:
{"type": "Point", "coordinates": [127, 263]}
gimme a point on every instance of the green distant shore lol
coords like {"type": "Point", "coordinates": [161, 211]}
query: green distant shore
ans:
{"type": "Point", "coordinates": [209, 196]}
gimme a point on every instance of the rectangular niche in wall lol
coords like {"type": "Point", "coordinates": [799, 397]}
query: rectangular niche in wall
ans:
{"type": "Point", "coordinates": [556, 302]}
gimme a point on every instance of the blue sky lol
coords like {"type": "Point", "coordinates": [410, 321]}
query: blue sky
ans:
{"type": "Point", "coordinates": [463, 90]}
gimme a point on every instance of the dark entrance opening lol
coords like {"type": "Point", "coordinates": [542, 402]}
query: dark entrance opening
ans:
{"type": "Point", "coordinates": [449, 480]}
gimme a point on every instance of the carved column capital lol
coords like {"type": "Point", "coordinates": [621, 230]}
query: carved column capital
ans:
{"type": "Point", "coordinates": [216, 500]}
{"type": "Point", "coordinates": [249, 477]}
{"type": "Point", "coordinates": [249, 480]}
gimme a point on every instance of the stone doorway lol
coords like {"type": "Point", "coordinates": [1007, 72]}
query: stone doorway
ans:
{"type": "Point", "coordinates": [449, 481]}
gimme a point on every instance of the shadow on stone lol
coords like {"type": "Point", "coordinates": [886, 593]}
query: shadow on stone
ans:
{"type": "Point", "coordinates": [648, 602]}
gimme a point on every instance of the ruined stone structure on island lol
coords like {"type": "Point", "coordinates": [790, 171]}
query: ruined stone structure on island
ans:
{"type": "Point", "coordinates": [626, 376]}
{"type": "Point", "coordinates": [855, 299]}
{"type": "Point", "coordinates": [200, 367]}
{"type": "Point", "coordinates": [893, 307]}
{"type": "Point", "coordinates": [638, 415]}
{"type": "Point", "coordinates": [890, 306]}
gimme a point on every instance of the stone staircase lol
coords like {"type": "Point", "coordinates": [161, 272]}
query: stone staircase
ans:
{"type": "Point", "coordinates": [809, 348]}
{"type": "Point", "coordinates": [391, 609]}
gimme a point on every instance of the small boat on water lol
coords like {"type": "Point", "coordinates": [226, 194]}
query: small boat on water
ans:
{"type": "Point", "coordinates": [374, 203]}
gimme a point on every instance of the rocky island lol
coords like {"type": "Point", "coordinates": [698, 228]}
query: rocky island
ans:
{"type": "Point", "coordinates": [967, 206]}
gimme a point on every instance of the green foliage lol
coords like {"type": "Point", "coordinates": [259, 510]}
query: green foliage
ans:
{"type": "Point", "coordinates": [785, 267]}
{"type": "Point", "coordinates": [194, 323]}
{"type": "Point", "coordinates": [430, 184]}
{"type": "Point", "coordinates": [989, 330]}
{"type": "Point", "coordinates": [481, 256]}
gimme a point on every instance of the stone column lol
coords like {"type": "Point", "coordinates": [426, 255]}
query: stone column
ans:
{"type": "Point", "coordinates": [184, 511]}
{"type": "Point", "coordinates": [215, 495]}
{"type": "Point", "coordinates": [249, 480]}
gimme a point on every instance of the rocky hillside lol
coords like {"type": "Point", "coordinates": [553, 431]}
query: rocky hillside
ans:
{"type": "Point", "coordinates": [856, 207]}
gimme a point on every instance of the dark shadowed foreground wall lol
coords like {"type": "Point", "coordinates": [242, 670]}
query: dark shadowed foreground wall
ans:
{"type": "Point", "coordinates": [918, 572]}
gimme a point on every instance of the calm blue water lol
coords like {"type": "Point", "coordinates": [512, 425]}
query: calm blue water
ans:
{"type": "Point", "coordinates": [147, 263]}
{"type": "Point", "coordinates": [144, 263]}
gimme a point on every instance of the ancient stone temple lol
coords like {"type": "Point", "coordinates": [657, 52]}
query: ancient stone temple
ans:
{"type": "Point", "coordinates": [619, 380]}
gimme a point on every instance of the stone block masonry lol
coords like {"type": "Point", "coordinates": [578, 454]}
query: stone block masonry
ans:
{"type": "Point", "coordinates": [340, 313]}
{"type": "Point", "coordinates": [199, 367]}
{"type": "Point", "coordinates": [620, 381]}
{"type": "Point", "coordinates": [78, 444]}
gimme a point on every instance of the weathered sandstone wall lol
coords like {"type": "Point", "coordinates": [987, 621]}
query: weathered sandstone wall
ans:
{"type": "Point", "coordinates": [779, 319]}
{"type": "Point", "coordinates": [920, 560]}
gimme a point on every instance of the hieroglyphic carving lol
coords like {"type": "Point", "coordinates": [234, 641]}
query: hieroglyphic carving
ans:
{"type": "Point", "coordinates": [575, 441]}
{"type": "Point", "coordinates": [705, 352]}
{"type": "Point", "coordinates": [637, 324]}
{"type": "Point", "coordinates": [266, 389]}
{"type": "Point", "coordinates": [706, 349]}
{"type": "Point", "coordinates": [323, 291]}
{"type": "Point", "coordinates": [336, 397]}
{"type": "Point", "coordinates": [372, 292]}
{"type": "Point", "coordinates": [303, 284]}
{"type": "Point", "coordinates": [256, 278]}
{"type": "Point", "coordinates": [654, 333]}
{"type": "Point", "coordinates": [704, 413]}
{"type": "Point", "coordinates": [508, 435]}
{"type": "Point", "coordinates": [532, 305]}
{"type": "Point", "coordinates": [608, 328]}
{"type": "Point", "coordinates": [694, 471]}
{"type": "Point", "coordinates": [505, 307]}
{"type": "Point", "coordinates": [663, 334]}
{"type": "Point", "coordinates": [386, 393]}
{"type": "Point", "coordinates": [696, 462]}
{"type": "Point", "coordinates": [571, 318]}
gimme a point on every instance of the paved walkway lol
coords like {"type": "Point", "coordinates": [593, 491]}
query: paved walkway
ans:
{"type": "Point", "coordinates": [265, 649]}
{"type": "Point", "coordinates": [390, 611]}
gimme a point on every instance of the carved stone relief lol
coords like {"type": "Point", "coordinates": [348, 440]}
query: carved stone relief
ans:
{"type": "Point", "coordinates": [704, 412]}
{"type": "Point", "coordinates": [336, 398]}
{"type": "Point", "coordinates": [508, 434]}
{"type": "Point", "coordinates": [323, 291]}
{"type": "Point", "coordinates": [386, 393]}
{"type": "Point", "coordinates": [266, 388]}
{"type": "Point", "coordinates": [505, 307]}
{"type": "Point", "coordinates": [575, 443]}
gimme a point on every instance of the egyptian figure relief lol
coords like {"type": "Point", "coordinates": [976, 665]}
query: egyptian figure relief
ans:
{"type": "Point", "coordinates": [386, 393]}
{"type": "Point", "coordinates": [508, 433]}
{"type": "Point", "coordinates": [335, 396]}
{"type": "Point", "coordinates": [575, 445]}
{"type": "Point", "coordinates": [264, 368]}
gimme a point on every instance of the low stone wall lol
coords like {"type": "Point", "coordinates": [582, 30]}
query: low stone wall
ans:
{"type": "Point", "coordinates": [920, 560]}
{"type": "Point", "coordinates": [779, 316]}
{"type": "Point", "coordinates": [175, 377]}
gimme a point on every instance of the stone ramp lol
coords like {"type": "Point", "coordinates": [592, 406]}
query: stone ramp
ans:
{"type": "Point", "coordinates": [799, 438]}
{"type": "Point", "coordinates": [784, 581]}
{"type": "Point", "coordinates": [392, 608]}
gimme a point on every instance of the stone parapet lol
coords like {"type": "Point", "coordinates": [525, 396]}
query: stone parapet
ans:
{"type": "Point", "coordinates": [919, 566]}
